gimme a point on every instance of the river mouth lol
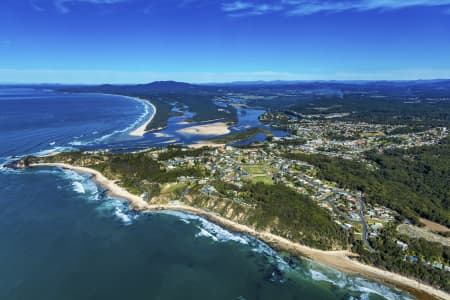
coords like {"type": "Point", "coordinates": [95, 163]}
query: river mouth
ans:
{"type": "Point", "coordinates": [62, 237]}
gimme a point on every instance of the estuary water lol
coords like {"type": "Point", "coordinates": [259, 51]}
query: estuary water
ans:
{"type": "Point", "coordinates": [62, 237]}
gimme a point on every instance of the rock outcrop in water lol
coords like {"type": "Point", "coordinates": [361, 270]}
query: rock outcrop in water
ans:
{"type": "Point", "coordinates": [22, 163]}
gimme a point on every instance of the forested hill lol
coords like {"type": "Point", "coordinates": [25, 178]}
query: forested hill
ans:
{"type": "Point", "coordinates": [414, 182]}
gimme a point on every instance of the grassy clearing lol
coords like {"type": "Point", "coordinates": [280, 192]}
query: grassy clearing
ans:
{"type": "Point", "coordinates": [417, 233]}
{"type": "Point", "coordinates": [266, 179]}
{"type": "Point", "coordinates": [254, 169]}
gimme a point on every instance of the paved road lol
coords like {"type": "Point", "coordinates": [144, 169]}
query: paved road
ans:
{"type": "Point", "coordinates": [365, 234]}
{"type": "Point", "coordinates": [365, 231]}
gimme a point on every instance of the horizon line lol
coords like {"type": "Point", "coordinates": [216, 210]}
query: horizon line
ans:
{"type": "Point", "coordinates": [230, 82]}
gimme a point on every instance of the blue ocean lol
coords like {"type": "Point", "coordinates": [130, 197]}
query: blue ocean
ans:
{"type": "Point", "coordinates": [63, 237]}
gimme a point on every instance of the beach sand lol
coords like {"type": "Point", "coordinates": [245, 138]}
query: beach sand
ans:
{"type": "Point", "coordinates": [201, 144]}
{"type": "Point", "coordinates": [113, 189]}
{"type": "Point", "coordinates": [340, 260]}
{"type": "Point", "coordinates": [161, 135]}
{"type": "Point", "coordinates": [218, 128]}
{"type": "Point", "coordinates": [141, 130]}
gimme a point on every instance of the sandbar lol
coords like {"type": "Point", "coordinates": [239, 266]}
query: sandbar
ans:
{"type": "Point", "coordinates": [218, 128]}
{"type": "Point", "coordinates": [141, 130]}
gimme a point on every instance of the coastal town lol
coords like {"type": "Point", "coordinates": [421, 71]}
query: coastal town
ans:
{"type": "Point", "coordinates": [327, 135]}
{"type": "Point", "coordinates": [220, 150]}
{"type": "Point", "coordinates": [216, 179]}
{"type": "Point", "coordinates": [326, 181]}
{"type": "Point", "coordinates": [236, 166]}
{"type": "Point", "coordinates": [266, 162]}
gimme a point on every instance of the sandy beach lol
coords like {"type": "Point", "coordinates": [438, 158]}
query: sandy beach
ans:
{"type": "Point", "coordinates": [201, 144]}
{"type": "Point", "coordinates": [340, 260]}
{"type": "Point", "coordinates": [141, 130]}
{"type": "Point", "coordinates": [113, 189]}
{"type": "Point", "coordinates": [218, 128]}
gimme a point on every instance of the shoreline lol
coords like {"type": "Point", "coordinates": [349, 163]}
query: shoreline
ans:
{"type": "Point", "coordinates": [217, 128]}
{"type": "Point", "coordinates": [201, 144]}
{"type": "Point", "coordinates": [141, 130]}
{"type": "Point", "coordinates": [339, 260]}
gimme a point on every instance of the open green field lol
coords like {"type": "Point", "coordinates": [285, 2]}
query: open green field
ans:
{"type": "Point", "coordinates": [266, 179]}
{"type": "Point", "coordinates": [255, 169]}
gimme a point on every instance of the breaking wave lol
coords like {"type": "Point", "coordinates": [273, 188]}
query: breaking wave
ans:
{"type": "Point", "coordinates": [359, 285]}
{"type": "Point", "coordinates": [209, 229]}
{"type": "Point", "coordinates": [107, 206]}
{"type": "Point", "coordinates": [145, 115]}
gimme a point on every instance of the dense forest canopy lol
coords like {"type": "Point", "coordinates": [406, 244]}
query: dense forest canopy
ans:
{"type": "Point", "coordinates": [414, 182]}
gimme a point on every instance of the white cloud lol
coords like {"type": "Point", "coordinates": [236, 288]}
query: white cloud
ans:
{"type": "Point", "coordinates": [241, 8]}
{"type": "Point", "coordinates": [62, 5]}
{"type": "Point", "coordinates": [309, 7]}
{"type": "Point", "coordinates": [261, 7]}
{"type": "Point", "coordinates": [36, 6]}
{"type": "Point", "coordinates": [237, 6]}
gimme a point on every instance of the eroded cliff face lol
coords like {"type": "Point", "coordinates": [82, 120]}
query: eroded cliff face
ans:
{"type": "Point", "coordinates": [227, 208]}
{"type": "Point", "coordinates": [247, 213]}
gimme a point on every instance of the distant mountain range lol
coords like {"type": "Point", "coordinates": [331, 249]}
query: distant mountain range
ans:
{"type": "Point", "coordinates": [175, 86]}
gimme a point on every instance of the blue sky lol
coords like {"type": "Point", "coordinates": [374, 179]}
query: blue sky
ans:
{"type": "Point", "coordinates": [128, 41]}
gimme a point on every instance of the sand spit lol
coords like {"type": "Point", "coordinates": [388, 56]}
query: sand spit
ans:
{"type": "Point", "coordinates": [218, 128]}
{"type": "Point", "coordinates": [141, 130]}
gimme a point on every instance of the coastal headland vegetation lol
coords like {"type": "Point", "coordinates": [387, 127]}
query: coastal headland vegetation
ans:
{"type": "Point", "coordinates": [274, 208]}
{"type": "Point", "coordinates": [362, 160]}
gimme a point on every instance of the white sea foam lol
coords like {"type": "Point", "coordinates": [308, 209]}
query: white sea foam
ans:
{"type": "Point", "coordinates": [72, 175]}
{"type": "Point", "coordinates": [216, 233]}
{"type": "Point", "coordinates": [117, 208]}
{"type": "Point", "coordinates": [78, 143]}
{"type": "Point", "coordinates": [52, 150]}
{"type": "Point", "coordinates": [204, 233]}
{"type": "Point", "coordinates": [108, 206]}
{"type": "Point", "coordinates": [122, 215]}
{"type": "Point", "coordinates": [162, 135]}
{"type": "Point", "coordinates": [78, 187]}
{"type": "Point", "coordinates": [170, 141]}
{"type": "Point", "coordinates": [369, 287]}
{"type": "Point", "coordinates": [147, 110]}
{"type": "Point", "coordinates": [359, 285]}
{"type": "Point", "coordinates": [209, 229]}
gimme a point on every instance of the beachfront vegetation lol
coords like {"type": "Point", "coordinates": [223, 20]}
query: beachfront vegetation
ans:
{"type": "Point", "coordinates": [276, 208]}
{"type": "Point", "coordinates": [360, 159]}
{"type": "Point", "coordinates": [294, 216]}
{"type": "Point", "coordinates": [240, 136]}
{"type": "Point", "coordinates": [419, 260]}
